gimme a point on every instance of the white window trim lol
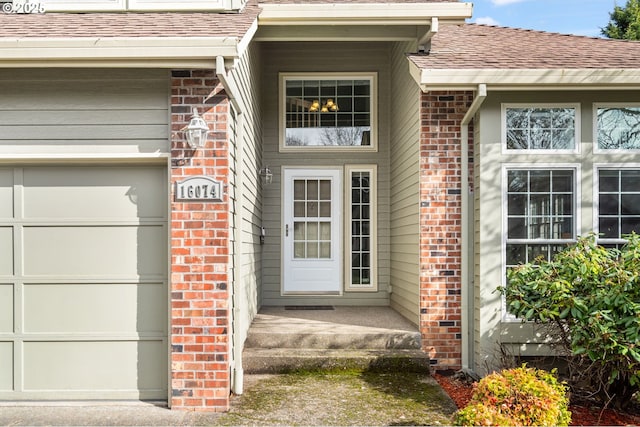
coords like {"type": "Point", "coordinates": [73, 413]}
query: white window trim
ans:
{"type": "Point", "coordinates": [371, 76]}
{"type": "Point", "coordinates": [596, 146]}
{"type": "Point", "coordinates": [596, 199]}
{"type": "Point", "coordinates": [373, 170]}
{"type": "Point", "coordinates": [577, 229]}
{"type": "Point", "coordinates": [503, 125]}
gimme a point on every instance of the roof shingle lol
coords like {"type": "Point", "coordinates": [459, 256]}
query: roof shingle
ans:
{"type": "Point", "coordinates": [473, 46]}
{"type": "Point", "coordinates": [129, 24]}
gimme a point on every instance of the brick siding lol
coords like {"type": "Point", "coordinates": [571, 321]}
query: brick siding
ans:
{"type": "Point", "coordinates": [440, 226]}
{"type": "Point", "coordinates": [199, 251]}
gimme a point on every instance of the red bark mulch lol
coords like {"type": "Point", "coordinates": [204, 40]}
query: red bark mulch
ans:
{"type": "Point", "coordinates": [461, 391]}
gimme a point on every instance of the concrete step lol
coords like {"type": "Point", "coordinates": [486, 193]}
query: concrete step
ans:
{"type": "Point", "coordinates": [282, 360]}
{"type": "Point", "coordinates": [342, 339]}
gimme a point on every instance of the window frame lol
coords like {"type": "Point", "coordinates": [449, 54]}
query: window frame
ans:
{"type": "Point", "coordinates": [577, 127]}
{"type": "Point", "coordinates": [372, 169]}
{"type": "Point", "coordinates": [373, 107]}
{"type": "Point", "coordinates": [596, 144]}
{"type": "Point", "coordinates": [506, 167]}
{"type": "Point", "coordinates": [597, 167]}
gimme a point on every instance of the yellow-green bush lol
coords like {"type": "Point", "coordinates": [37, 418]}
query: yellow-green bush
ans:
{"type": "Point", "coordinates": [517, 397]}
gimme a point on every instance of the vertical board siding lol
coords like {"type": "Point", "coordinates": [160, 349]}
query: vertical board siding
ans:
{"type": "Point", "coordinates": [97, 111]}
{"type": "Point", "coordinates": [405, 175]}
{"type": "Point", "coordinates": [318, 58]}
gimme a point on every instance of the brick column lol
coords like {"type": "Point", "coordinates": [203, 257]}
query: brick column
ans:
{"type": "Point", "coordinates": [440, 226]}
{"type": "Point", "coordinates": [200, 321]}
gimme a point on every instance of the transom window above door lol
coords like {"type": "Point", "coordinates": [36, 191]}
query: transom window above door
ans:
{"type": "Point", "coordinates": [328, 112]}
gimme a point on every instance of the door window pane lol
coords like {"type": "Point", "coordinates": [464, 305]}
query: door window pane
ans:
{"type": "Point", "coordinates": [312, 237]}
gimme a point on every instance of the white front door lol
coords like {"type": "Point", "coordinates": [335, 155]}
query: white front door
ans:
{"type": "Point", "coordinates": [312, 208]}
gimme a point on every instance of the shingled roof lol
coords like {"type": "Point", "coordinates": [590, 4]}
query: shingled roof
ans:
{"type": "Point", "coordinates": [472, 54]}
{"type": "Point", "coordinates": [482, 46]}
{"type": "Point", "coordinates": [144, 24]}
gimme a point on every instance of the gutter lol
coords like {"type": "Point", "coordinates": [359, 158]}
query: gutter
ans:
{"type": "Point", "coordinates": [237, 372]}
{"type": "Point", "coordinates": [467, 231]}
{"type": "Point", "coordinates": [146, 52]}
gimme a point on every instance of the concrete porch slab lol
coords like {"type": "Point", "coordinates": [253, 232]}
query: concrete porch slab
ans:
{"type": "Point", "coordinates": [280, 340]}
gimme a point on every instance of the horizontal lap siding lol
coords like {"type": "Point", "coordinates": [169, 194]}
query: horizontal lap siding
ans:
{"type": "Point", "coordinates": [71, 111]}
{"type": "Point", "coordinates": [405, 224]}
{"type": "Point", "coordinates": [317, 58]}
{"type": "Point", "coordinates": [248, 215]}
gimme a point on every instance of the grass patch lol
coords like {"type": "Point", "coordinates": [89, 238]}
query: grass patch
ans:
{"type": "Point", "coordinates": [341, 397]}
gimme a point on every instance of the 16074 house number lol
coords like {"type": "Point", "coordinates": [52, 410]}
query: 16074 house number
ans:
{"type": "Point", "coordinates": [200, 188]}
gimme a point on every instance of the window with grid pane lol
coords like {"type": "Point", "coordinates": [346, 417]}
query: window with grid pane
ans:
{"type": "Point", "coordinates": [361, 239]}
{"type": "Point", "coordinates": [328, 112]}
{"type": "Point", "coordinates": [540, 213]}
{"type": "Point", "coordinates": [618, 128]}
{"type": "Point", "coordinates": [618, 203]}
{"type": "Point", "coordinates": [540, 128]}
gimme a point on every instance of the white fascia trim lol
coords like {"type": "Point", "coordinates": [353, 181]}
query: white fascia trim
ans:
{"type": "Point", "coordinates": [519, 79]}
{"type": "Point", "coordinates": [118, 51]}
{"type": "Point", "coordinates": [362, 13]}
{"type": "Point", "coordinates": [244, 42]}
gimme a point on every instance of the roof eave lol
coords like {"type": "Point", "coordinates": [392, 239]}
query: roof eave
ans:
{"type": "Point", "coordinates": [527, 79]}
{"type": "Point", "coordinates": [362, 13]}
{"type": "Point", "coordinates": [145, 52]}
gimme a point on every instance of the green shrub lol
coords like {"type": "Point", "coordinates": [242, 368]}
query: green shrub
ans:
{"type": "Point", "coordinates": [517, 397]}
{"type": "Point", "coordinates": [588, 299]}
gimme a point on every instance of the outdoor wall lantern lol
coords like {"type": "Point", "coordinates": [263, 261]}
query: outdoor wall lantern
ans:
{"type": "Point", "coordinates": [196, 131]}
{"type": "Point", "coordinates": [266, 174]}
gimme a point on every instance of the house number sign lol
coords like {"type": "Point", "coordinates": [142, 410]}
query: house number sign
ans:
{"type": "Point", "coordinates": [199, 188]}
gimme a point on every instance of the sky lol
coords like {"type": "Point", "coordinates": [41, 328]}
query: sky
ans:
{"type": "Point", "coordinates": [580, 17]}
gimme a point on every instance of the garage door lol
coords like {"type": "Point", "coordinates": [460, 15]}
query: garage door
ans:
{"type": "Point", "coordinates": [83, 282]}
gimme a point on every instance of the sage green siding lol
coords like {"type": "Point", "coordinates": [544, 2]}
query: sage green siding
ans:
{"type": "Point", "coordinates": [405, 186]}
{"type": "Point", "coordinates": [245, 192]}
{"type": "Point", "coordinates": [57, 111]}
{"type": "Point", "coordinates": [492, 329]}
{"type": "Point", "coordinates": [318, 58]}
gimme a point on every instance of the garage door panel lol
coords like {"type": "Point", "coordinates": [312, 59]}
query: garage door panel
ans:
{"type": "Point", "coordinates": [96, 366]}
{"type": "Point", "coordinates": [6, 308]}
{"type": "Point", "coordinates": [124, 193]}
{"type": "Point", "coordinates": [6, 251]}
{"type": "Point", "coordinates": [6, 367]}
{"type": "Point", "coordinates": [95, 308]}
{"type": "Point", "coordinates": [126, 251]}
{"type": "Point", "coordinates": [6, 193]}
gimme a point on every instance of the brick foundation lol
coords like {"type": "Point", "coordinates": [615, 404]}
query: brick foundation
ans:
{"type": "Point", "coordinates": [440, 226]}
{"type": "Point", "coordinates": [199, 251]}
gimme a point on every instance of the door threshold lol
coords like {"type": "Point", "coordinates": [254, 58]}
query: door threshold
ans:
{"type": "Point", "coordinates": [309, 307]}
